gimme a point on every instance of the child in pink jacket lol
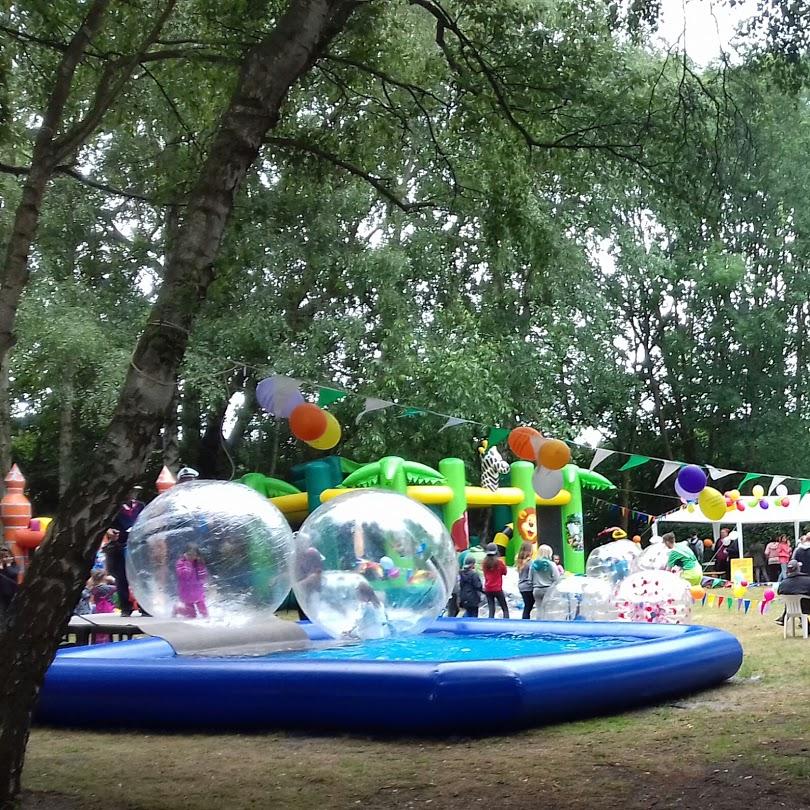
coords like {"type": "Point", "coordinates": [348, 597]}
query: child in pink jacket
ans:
{"type": "Point", "coordinates": [192, 576]}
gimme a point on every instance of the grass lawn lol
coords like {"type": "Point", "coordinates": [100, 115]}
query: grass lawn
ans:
{"type": "Point", "coordinates": [745, 742]}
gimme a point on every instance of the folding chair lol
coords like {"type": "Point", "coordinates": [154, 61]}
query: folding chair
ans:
{"type": "Point", "coordinates": [793, 611]}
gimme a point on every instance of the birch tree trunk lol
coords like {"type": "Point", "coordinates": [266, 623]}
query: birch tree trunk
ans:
{"type": "Point", "coordinates": [40, 611]}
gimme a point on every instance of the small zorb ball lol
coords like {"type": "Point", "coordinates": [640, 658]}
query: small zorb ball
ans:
{"type": "Point", "coordinates": [371, 564]}
{"type": "Point", "coordinates": [613, 561]}
{"type": "Point", "coordinates": [210, 549]}
{"type": "Point", "coordinates": [578, 599]}
{"type": "Point", "coordinates": [655, 597]}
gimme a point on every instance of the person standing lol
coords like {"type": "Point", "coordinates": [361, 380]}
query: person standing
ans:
{"type": "Point", "coordinates": [696, 544]}
{"type": "Point", "coordinates": [777, 553]}
{"type": "Point", "coordinates": [523, 564]}
{"type": "Point", "coordinates": [116, 549]}
{"type": "Point", "coordinates": [802, 553]}
{"type": "Point", "coordinates": [470, 589]}
{"type": "Point", "coordinates": [8, 578]}
{"type": "Point", "coordinates": [544, 574]}
{"type": "Point", "coordinates": [494, 572]}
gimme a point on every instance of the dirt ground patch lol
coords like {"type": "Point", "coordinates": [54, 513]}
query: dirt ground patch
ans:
{"type": "Point", "coordinates": [720, 749]}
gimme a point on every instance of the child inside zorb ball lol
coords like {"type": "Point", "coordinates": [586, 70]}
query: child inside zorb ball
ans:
{"type": "Point", "coordinates": [210, 549]}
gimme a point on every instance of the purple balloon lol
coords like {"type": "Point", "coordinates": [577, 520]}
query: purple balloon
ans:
{"type": "Point", "coordinates": [763, 504]}
{"type": "Point", "coordinates": [692, 478]}
{"type": "Point", "coordinates": [685, 494]}
{"type": "Point", "coordinates": [279, 395]}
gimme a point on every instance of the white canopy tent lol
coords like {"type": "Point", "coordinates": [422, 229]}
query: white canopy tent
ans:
{"type": "Point", "coordinates": [798, 512]}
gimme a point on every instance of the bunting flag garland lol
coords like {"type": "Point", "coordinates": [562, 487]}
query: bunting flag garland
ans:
{"type": "Point", "coordinates": [372, 404]}
{"type": "Point", "coordinates": [599, 456]}
{"type": "Point", "coordinates": [747, 604]}
{"type": "Point", "coordinates": [634, 461]}
{"type": "Point", "coordinates": [667, 468]}
{"type": "Point", "coordinates": [328, 396]}
{"type": "Point", "coordinates": [749, 477]}
{"type": "Point", "coordinates": [278, 394]}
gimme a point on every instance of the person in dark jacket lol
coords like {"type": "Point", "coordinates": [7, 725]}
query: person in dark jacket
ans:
{"type": "Point", "coordinates": [795, 583]}
{"type": "Point", "coordinates": [802, 553]}
{"type": "Point", "coordinates": [8, 578]}
{"type": "Point", "coordinates": [115, 551]}
{"type": "Point", "coordinates": [470, 589]}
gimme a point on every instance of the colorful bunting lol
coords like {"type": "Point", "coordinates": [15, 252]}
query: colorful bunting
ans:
{"type": "Point", "coordinates": [777, 479]}
{"type": "Point", "coordinates": [747, 604]}
{"type": "Point", "coordinates": [327, 396]}
{"type": "Point", "coordinates": [599, 456]}
{"type": "Point", "coordinates": [804, 488]}
{"type": "Point", "coordinates": [667, 468]}
{"type": "Point", "coordinates": [452, 421]}
{"type": "Point", "coordinates": [748, 477]}
{"type": "Point", "coordinates": [634, 461]}
{"type": "Point", "coordinates": [497, 435]}
{"type": "Point", "coordinates": [373, 404]}
{"type": "Point", "coordinates": [716, 473]}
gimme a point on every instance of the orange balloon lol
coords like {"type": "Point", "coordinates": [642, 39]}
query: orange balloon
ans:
{"type": "Point", "coordinates": [524, 442]}
{"type": "Point", "coordinates": [697, 592]}
{"type": "Point", "coordinates": [637, 539]}
{"type": "Point", "coordinates": [554, 454]}
{"type": "Point", "coordinates": [307, 422]}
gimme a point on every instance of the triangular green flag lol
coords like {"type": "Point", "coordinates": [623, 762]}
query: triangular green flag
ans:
{"type": "Point", "coordinates": [326, 396]}
{"type": "Point", "coordinates": [497, 435]}
{"type": "Point", "coordinates": [804, 488]}
{"type": "Point", "coordinates": [748, 477]}
{"type": "Point", "coordinates": [412, 412]}
{"type": "Point", "coordinates": [634, 461]}
{"type": "Point", "coordinates": [729, 602]}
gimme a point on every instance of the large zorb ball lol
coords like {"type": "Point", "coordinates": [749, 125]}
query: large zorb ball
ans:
{"type": "Point", "coordinates": [654, 557]}
{"type": "Point", "coordinates": [371, 564]}
{"type": "Point", "coordinates": [613, 561]}
{"type": "Point", "coordinates": [210, 549]}
{"type": "Point", "coordinates": [578, 599]}
{"type": "Point", "coordinates": [655, 597]}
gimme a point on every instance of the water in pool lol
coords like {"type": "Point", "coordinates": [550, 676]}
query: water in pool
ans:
{"type": "Point", "coordinates": [452, 647]}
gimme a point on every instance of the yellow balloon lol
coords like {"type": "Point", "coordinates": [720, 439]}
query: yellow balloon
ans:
{"type": "Point", "coordinates": [712, 503]}
{"type": "Point", "coordinates": [758, 491]}
{"type": "Point", "coordinates": [734, 494]}
{"type": "Point", "coordinates": [331, 436]}
{"type": "Point", "coordinates": [738, 591]}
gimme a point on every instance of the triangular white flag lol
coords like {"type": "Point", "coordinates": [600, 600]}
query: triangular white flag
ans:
{"type": "Point", "coordinates": [599, 456]}
{"type": "Point", "coordinates": [452, 421]}
{"type": "Point", "coordinates": [777, 479]}
{"type": "Point", "coordinates": [373, 404]}
{"type": "Point", "coordinates": [667, 468]}
{"type": "Point", "coordinates": [716, 473]}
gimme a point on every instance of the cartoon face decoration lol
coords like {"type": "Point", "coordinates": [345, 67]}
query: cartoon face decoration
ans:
{"type": "Point", "coordinates": [527, 524]}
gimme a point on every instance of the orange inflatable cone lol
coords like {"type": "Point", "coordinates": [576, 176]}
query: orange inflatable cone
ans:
{"type": "Point", "coordinates": [15, 510]}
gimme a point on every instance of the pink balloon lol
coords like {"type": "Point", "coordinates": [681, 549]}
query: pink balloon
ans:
{"type": "Point", "coordinates": [769, 595]}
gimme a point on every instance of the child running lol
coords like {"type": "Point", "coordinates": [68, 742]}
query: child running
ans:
{"type": "Point", "coordinates": [494, 572]}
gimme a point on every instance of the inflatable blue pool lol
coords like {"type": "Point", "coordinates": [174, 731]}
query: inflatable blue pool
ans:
{"type": "Point", "coordinates": [531, 672]}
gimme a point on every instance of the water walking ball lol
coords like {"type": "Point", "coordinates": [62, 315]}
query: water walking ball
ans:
{"type": "Point", "coordinates": [578, 599]}
{"type": "Point", "coordinates": [654, 597]}
{"type": "Point", "coordinates": [210, 549]}
{"type": "Point", "coordinates": [308, 422]}
{"type": "Point", "coordinates": [691, 478]}
{"type": "Point", "coordinates": [613, 561]}
{"type": "Point", "coordinates": [371, 564]}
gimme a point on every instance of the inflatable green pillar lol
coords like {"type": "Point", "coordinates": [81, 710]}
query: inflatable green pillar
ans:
{"type": "Point", "coordinates": [455, 511]}
{"type": "Point", "coordinates": [572, 523]}
{"type": "Point", "coordinates": [522, 472]}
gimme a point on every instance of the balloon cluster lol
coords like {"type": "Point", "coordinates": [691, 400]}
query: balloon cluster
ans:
{"type": "Point", "coordinates": [550, 456]}
{"type": "Point", "coordinates": [282, 397]}
{"type": "Point", "coordinates": [691, 487]}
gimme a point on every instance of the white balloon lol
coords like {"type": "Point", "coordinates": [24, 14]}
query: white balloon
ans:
{"type": "Point", "coordinates": [781, 490]}
{"type": "Point", "coordinates": [547, 483]}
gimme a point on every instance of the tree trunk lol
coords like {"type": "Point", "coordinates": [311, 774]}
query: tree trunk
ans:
{"type": "Point", "coordinates": [41, 609]}
{"type": "Point", "coordinates": [67, 395]}
{"type": "Point", "coordinates": [171, 445]}
{"type": "Point", "coordinates": [5, 422]}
